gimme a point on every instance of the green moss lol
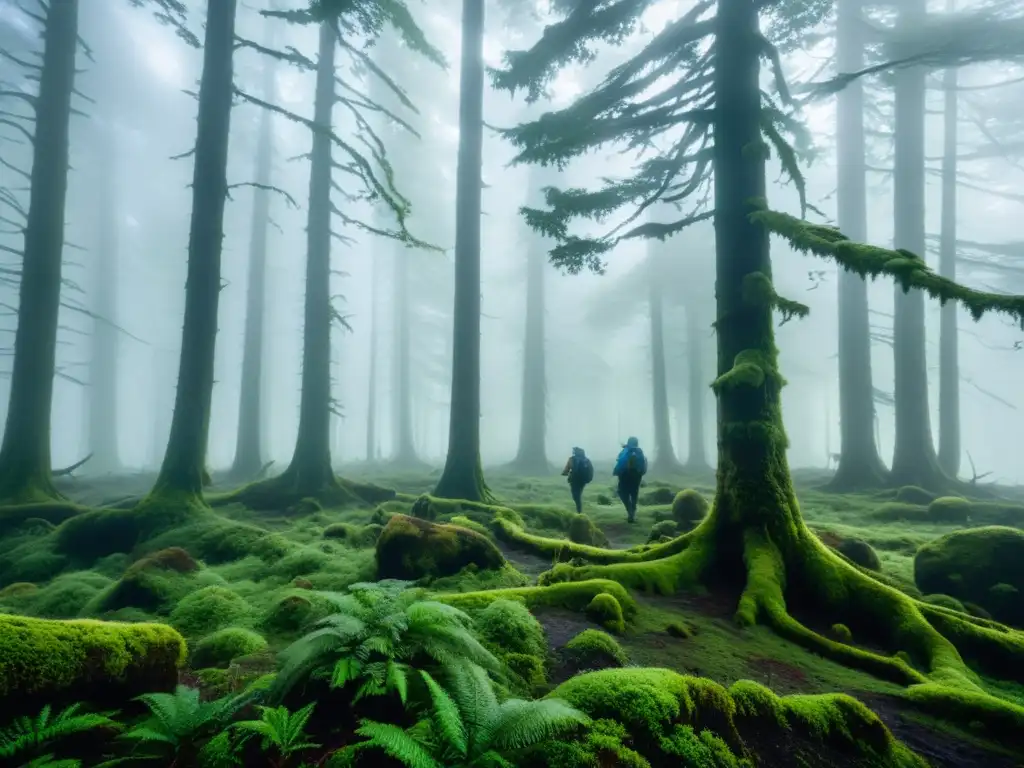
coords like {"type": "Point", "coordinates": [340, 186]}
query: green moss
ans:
{"type": "Point", "coordinates": [84, 660]}
{"type": "Point", "coordinates": [287, 615]}
{"type": "Point", "coordinates": [66, 596]}
{"type": "Point", "coordinates": [354, 535]}
{"type": "Point", "coordinates": [950, 509]}
{"type": "Point", "coordinates": [842, 633]}
{"type": "Point", "coordinates": [410, 548]}
{"type": "Point", "coordinates": [602, 744]}
{"type": "Point", "coordinates": [572, 595]}
{"type": "Point", "coordinates": [749, 369]}
{"type": "Point", "coordinates": [689, 507]}
{"type": "Point", "coordinates": [583, 531]}
{"type": "Point", "coordinates": [464, 522]}
{"type": "Point", "coordinates": [207, 610]}
{"type": "Point", "coordinates": [664, 530]}
{"type": "Point", "coordinates": [861, 553]}
{"type": "Point", "coordinates": [657, 496]}
{"type": "Point", "coordinates": [223, 646]}
{"type": "Point", "coordinates": [508, 626]}
{"type": "Point", "coordinates": [945, 601]}
{"type": "Point", "coordinates": [593, 649]}
{"type": "Point", "coordinates": [605, 610]}
{"type": "Point", "coordinates": [911, 494]}
{"type": "Point", "coordinates": [527, 668]}
{"type": "Point", "coordinates": [678, 630]}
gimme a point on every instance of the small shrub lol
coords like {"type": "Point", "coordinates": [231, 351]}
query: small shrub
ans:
{"type": "Point", "coordinates": [207, 610]}
{"type": "Point", "coordinates": [225, 645]}
{"type": "Point", "coordinates": [605, 610]}
{"type": "Point", "coordinates": [509, 625]}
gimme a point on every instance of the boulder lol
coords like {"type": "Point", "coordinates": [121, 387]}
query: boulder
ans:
{"type": "Point", "coordinates": [410, 548]}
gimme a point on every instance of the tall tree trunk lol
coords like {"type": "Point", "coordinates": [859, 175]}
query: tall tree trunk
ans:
{"type": "Point", "coordinates": [697, 460]}
{"type": "Point", "coordinates": [949, 348]}
{"type": "Point", "coordinates": [405, 445]}
{"type": "Point", "coordinates": [184, 464]}
{"type": "Point", "coordinates": [374, 384]}
{"type": "Point", "coordinates": [25, 463]}
{"type": "Point", "coordinates": [462, 477]}
{"type": "Point", "coordinates": [859, 462]}
{"type": "Point", "coordinates": [103, 421]}
{"type": "Point", "coordinates": [532, 457]}
{"type": "Point", "coordinates": [665, 460]}
{"type": "Point", "coordinates": [310, 471]}
{"type": "Point", "coordinates": [249, 443]}
{"type": "Point", "coordinates": [914, 460]}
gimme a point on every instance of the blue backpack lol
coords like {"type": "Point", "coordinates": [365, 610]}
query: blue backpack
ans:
{"type": "Point", "coordinates": [636, 462]}
{"type": "Point", "coordinates": [582, 469]}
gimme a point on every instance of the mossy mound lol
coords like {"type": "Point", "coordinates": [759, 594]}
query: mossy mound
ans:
{"type": "Point", "coordinates": [289, 614]}
{"type": "Point", "coordinates": [224, 646]}
{"type": "Point", "coordinates": [354, 535]}
{"type": "Point", "coordinates": [68, 596]}
{"type": "Point", "coordinates": [591, 650]}
{"type": "Point", "coordinates": [153, 583]}
{"type": "Point", "coordinates": [508, 627]}
{"type": "Point", "coordinates": [689, 507]}
{"type": "Point", "coordinates": [55, 662]}
{"type": "Point", "coordinates": [984, 566]}
{"type": "Point", "coordinates": [861, 553]}
{"type": "Point", "coordinates": [945, 601]}
{"type": "Point", "coordinates": [605, 610]}
{"type": "Point", "coordinates": [950, 509]}
{"type": "Point", "coordinates": [669, 719]}
{"type": "Point", "coordinates": [912, 494]}
{"type": "Point", "coordinates": [410, 548]}
{"type": "Point", "coordinates": [663, 530]}
{"type": "Point", "coordinates": [583, 531]}
{"type": "Point", "coordinates": [209, 609]}
{"type": "Point", "coordinates": [657, 496]}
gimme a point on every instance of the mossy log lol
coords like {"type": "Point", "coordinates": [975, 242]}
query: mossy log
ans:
{"type": "Point", "coordinates": [50, 662]}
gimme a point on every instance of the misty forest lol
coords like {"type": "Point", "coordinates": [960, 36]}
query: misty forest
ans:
{"type": "Point", "coordinates": [496, 383]}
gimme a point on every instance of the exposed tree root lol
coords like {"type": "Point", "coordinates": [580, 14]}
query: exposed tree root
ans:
{"type": "Point", "coordinates": [68, 470]}
{"type": "Point", "coordinates": [929, 644]}
{"type": "Point", "coordinates": [290, 488]}
{"type": "Point", "coordinates": [53, 512]}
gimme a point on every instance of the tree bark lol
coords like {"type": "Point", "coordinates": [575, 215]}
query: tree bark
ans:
{"type": "Point", "coordinates": [310, 471]}
{"type": "Point", "coordinates": [25, 461]}
{"type": "Point", "coordinates": [405, 445]}
{"type": "Point", "coordinates": [184, 463]}
{"type": "Point", "coordinates": [462, 477]}
{"type": "Point", "coordinates": [949, 348]}
{"type": "Point", "coordinates": [697, 460]}
{"type": "Point", "coordinates": [859, 462]}
{"type": "Point", "coordinates": [249, 443]}
{"type": "Point", "coordinates": [373, 384]}
{"type": "Point", "coordinates": [914, 460]}
{"type": "Point", "coordinates": [532, 456]}
{"type": "Point", "coordinates": [665, 461]}
{"type": "Point", "coordinates": [103, 421]}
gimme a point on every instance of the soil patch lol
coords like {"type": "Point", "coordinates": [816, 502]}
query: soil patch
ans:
{"type": "Point", "coordinates": [781, 677]}
{"type": "Point", "coordinates": [525, 562]}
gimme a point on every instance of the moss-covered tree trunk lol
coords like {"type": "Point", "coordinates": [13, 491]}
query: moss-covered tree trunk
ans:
{"type": "Point", "coordinates": [249, 443]}
{"type": "Point", "coordinates": [532, 457]}
{"type": "Point", "coordinates": [949, 348]}
{"type": "Point", "coordinates": [859, 462]}
{"type": "Point", "coordinates": [697, 458]}
{"type": "Point", "coordinates": [25, 464]}
{"type": "Point", "coordinates": [462, 477]}
{"type": "Point", "coordinates": [405, 445]}
{"type": "Point", "coordinates": [103, 414]}
{"type": "Point", "coordinates": [310, 471]}
{"type": "Point", "coordinates": [665, 461]}
{"type": "Point", "coordinates": [184, 463]}
{"type": "Point", "coordinates": [914, 461]}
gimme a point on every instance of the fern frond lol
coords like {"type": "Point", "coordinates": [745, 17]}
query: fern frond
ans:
{"type": "Point", "coordinates": [398, 744]}
{"type": "Point", "coordinates": [398, 680]}
{"type": "Point", "coordinates": [32, 732]}
{"type": "Point", "coordinates": [446, 716]}
{"type": "Point", "coordinates": [49, 761]}
{"type": "Point", "coordinates": [519, 724]}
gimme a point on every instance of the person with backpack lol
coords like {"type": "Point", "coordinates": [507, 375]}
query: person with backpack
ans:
{"type": "Point", "coordinates": [630, 468]}
{"type": "Point", "coordinates": [580, 471]}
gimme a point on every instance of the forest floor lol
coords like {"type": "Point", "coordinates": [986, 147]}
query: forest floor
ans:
{"type": "Point", "coordinates": [716, 648]}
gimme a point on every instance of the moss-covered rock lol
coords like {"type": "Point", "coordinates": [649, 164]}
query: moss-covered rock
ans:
{"type": "Point", "coordinates": [593, 649]}
{"type": "Point", "coordinates": [583, 531]}
{"type": "Point", "coordinates": [509, 627]}
{"type": "Point", "coordinates": [223, 646]}
{"type": "Point", "coordinates": [605, 610]}
{"type": "Point", "coordinates": [411, 548]}
{"type": "Point", "coordinates": [656, 496]}
{"type": "Point", "coordinates": [970, 565]}
{"type": "Point", "coordinates": [152, 583]}
{"type": "Point", "coordinates": [663, 530]}
{"type": "Point", "coordinates": [289, 614]}
{"type": "Point", "coordinates": [949, 509]}
{"type": "Point", "coordinates": [670, 719]}
{"type": "Point", "coordinates": [861, 553]}
{"type": "Point", "coordinates": [689, 507]}
{"type": "Point", "coordinates": [207, 610]}
{"type": "Point", "coordinates": [912, 494]}
{"type": "Point", "coordinates": [354, 535]}
{"type": "Point", "coordinates": [52, 662]}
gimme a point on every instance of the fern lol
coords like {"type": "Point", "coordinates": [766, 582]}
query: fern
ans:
{"type": "Point", "coordinates": [27, 734]}
{"type": "Point", "coordinates": [281, 730]}
{"type": "Point", "coordinates": [468, 727]}
{"type": "Point", "coordinates": [379, 633]}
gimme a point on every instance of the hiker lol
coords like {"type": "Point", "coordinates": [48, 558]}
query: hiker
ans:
{"type": "Point", "coordinates": [630, 468]}
{"type": "Point", "coordinates": [580, 471]}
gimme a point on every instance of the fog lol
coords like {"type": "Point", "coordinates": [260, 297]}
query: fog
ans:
{"type": "Point", "coordinates": [597, 327]}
